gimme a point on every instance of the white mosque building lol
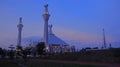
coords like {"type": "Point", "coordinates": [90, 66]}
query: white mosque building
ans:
{"type": "Point", "coordinates": [53, 43]}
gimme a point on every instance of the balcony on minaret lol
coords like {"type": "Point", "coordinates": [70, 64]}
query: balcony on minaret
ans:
{"type": "Point", "coordinates": [20, 25]}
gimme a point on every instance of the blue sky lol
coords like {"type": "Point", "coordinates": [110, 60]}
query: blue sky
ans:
{"type": "Point", "coordinates": [73, 20]}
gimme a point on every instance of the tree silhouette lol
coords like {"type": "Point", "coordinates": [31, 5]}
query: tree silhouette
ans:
{"type": "Point", "coordinates": [2, 53]}
{"type": "Point", "coordinates": [40, 48]}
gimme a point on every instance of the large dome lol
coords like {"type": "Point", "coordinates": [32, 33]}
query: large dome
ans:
{"type": "Point", "coordinates": [54, 40]}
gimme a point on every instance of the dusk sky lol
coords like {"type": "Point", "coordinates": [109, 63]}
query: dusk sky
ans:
{"type": "Point", "coordinates": [75, 21]}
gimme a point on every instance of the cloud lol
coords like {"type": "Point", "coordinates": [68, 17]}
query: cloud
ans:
{"type": "Point", "coordinates": [5, 43]}
{"type": "Point", "coordinates": [78, 36]}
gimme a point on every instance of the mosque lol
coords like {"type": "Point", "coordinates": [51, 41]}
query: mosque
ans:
{"type": "Point", "coordinates": [53, 43]}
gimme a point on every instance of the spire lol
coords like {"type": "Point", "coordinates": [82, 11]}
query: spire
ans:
{"type": "Point", "coordinates": [50, 29]}
{"type": "Point", "coordinates": [20, 20]}
{"type": "Point", "coordinates": [46, 9]}
{"type": "Point", "coordinates": [104, 39]}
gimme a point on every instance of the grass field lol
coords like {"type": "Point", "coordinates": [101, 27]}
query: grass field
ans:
{"type": "Point", "coordinates": [38, 63]}
{"type": "Point", "coordinates": [57, 64]}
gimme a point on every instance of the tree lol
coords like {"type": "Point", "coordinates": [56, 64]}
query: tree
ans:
{"type": "Point", "coordinates": [19, 50]}
{"type": "Point", "coordinates": [28, 50]}
{"type": "Point", "coordinates": [0, 51]}
{"type": "Point", "coordinates": [40, 48]}
{"type": "Point", "coordinates": [11, 54]}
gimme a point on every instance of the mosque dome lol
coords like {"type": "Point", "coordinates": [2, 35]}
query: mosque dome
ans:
{"type": "Point", "coordinates": [54, 40]}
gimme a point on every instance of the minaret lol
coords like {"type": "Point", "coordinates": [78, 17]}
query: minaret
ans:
{"type": "Point", "coordinates": [50, 29]}
{"type": "Point", "coordinates": [104, 40]}
{"type": "Point", "coordinates": [20, 26]}
{"type": "Point", "coordinates": [46, 16]}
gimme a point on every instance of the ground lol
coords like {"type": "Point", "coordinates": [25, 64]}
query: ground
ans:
{"type": "Point", "coordinates": [50, 63]}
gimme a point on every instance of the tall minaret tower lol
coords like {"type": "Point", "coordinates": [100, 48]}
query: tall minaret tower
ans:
{"type": "Point", "coordinates": [104, 40]}
{"type": "Point", "coordinates": [20, 26]}
{"type": "Point", "coordinates": [46, 16]}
